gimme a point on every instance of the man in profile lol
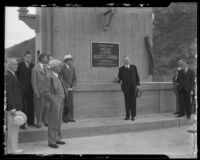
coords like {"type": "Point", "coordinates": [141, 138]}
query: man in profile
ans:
{"type": "Point", "coordinates": [175, 84]}
{"type": "Point", "coordinates": [130, 83]}
{"type": "Point", "coordinates": [55, 94]}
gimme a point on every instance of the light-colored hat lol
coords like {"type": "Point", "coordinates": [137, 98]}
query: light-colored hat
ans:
{"type": "Point", "coordinates": [20, 118]}
{"type": "Point", "coordinates": [68, 56]}
{"type": "Point", "coordinates": [54, 62]}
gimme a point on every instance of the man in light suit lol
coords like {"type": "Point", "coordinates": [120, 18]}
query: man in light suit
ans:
{"type": "Point", "coordinates": [24, 76]}
{"type": "Point", "coordinates": [38, 81]}
{"type": "Point", "coordinates": [68, 74]}
{"type": "Point", "coordinates": [55, 94]}
{"type": "Point", "coordinates": [185, 80]}
{"type": "Point", "coordinates": [130, 83]}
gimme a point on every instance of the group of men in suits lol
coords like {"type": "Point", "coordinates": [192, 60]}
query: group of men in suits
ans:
{"type": "Point", "coordinates": [183, 81]}
{"type": "Point", "coordinates": [45, 89]}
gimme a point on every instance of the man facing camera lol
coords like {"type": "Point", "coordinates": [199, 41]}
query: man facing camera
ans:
{"type": "Point", "coordinates": [186, 89]}
{"type": "Point", "coordinates": [55, 94]}
{"type": "Point", "coordinates": [68, 74]}
{"type": "Point", "coordinates": [24, 76]}
{"type": "Point", "coordinates": [129, 79]}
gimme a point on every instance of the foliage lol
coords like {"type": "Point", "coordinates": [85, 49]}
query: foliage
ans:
{"type": "Point", "coordinates": [174, 35]}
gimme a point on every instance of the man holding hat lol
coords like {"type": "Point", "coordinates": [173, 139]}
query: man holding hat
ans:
{"type": "Point", "coordinates": [14, 105]}
{"type": "Point", "coordinates": [68, 74]}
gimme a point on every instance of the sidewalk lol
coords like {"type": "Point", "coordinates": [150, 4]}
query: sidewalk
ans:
{"type": "Point", "coordinates": [174, 142]}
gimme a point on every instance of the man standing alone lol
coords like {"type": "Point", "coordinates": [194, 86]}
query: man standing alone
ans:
{"type": "Point", "coordinates": [68, 75]}
{"type": "Point", "coordinates": [128, 75]}
{"type": "Point", "coordinates": [186, 89]}
{"type": "Point", "coordinates": [24, 76]}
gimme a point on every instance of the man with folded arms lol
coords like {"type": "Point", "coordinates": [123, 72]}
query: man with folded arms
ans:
{"type": "Point", "coordinates": [55, 94]}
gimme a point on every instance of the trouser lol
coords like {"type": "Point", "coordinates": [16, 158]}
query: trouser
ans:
{"type": "Point", "coordinates": [130, 101]}
{"type": "Point", "coordinates": [68, 107]}
{"type": "Point", "coordinates": [28, 106]}
{"type": "Point", "coordinates": [185, 105]}
{"type": "Point", "coordinates": [55, 121]}
{"type": "Point", "coordinates": [177, 99]}
{"type": "Point", "coordinates": [41, 111]}
{"type": "Point", "coordinates": [12, 134]}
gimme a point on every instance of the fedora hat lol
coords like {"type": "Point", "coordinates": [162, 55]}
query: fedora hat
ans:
{"type": "Point", "coordinates": [68, 56]}
{"type": "Point", "coordinates": [20, 118]}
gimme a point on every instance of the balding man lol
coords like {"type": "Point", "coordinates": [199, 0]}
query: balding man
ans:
{"type": "Point", "coordinates": [128, 76]}
{"type": "Point", "coordinates": [55, 94]}
{"type": "Point", "coordinates": [14, 103]}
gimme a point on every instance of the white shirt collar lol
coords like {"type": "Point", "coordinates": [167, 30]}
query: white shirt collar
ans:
{"type": "Point", "coordinates": [67, 66]}
{"type": "Point", "coordinates": [128, 65]}
{"type": "Point", "coordinates": [11, 72]}
{"type": "Point", "coordinates": [56, 74]}
{"type": "Point", "coordinates": [41, 65]}
{"type": "Point", "coordinates": [179, 68]}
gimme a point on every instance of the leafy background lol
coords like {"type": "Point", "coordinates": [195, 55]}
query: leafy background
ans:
{"type": "Point", "coordinates": [174, 38]}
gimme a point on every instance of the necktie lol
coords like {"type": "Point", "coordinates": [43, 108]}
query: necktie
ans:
{"type": "Point", "coordinates": [45, 68]}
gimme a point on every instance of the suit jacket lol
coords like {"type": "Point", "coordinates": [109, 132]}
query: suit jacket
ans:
{"type": "Point", "coordinates": [129, 77]}
{"type": "Point", "coordinates": [69, 76]}
{"type": "Point", "coordinates": [24, 76]}
{"type": "Point", "coordinates": [175, 77]}
{"type": "Point", "coordinates": [38, 81]}
{"type": "Point", "coordinates": [54, 91]}
{"type": "Point", "coordinates": [13, 92]}
{"type": "Point", "coordinates": [186, 80]}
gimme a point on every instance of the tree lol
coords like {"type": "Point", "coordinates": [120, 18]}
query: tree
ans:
{"type": "Point", "coordinates": [174, 35]}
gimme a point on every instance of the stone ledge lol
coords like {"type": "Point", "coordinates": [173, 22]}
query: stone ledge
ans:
{"type": "Point", "coordinates": [94, 87]}
{"type": "Point", "coordinates": [107, 125]}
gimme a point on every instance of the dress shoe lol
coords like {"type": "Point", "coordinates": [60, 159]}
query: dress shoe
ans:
{"type": "Point", "coordinates": [126, 118]}
{"type": "Point", "coordinates": [53, 145]}
{"type": "Point", "coordinates": [188, 117]}
{"type": "Point", "coordinates": [72, 120]}
{"type": "Point", "coordinates": [23, 127]}
{"type": "Point", "coordinates": [38, 125]}
{"type": "Point", "coordinates": [46, 124]}
{"type": "Point", "coordinates": [133, 118]}
{"type": "Point", "coordinates": [64, 121]}
{"type": "Point", "coordinates": [32, 125]}
{"type": "Point", "coordinates": [180, 115]}
{"type": "Point", "coordinates": [176, 113]}
{"type": "Point", "coordinates": [60, 142]}
{"type": "Point", "coordinates": [18, 151]}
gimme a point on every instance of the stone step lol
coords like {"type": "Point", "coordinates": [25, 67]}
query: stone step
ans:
{"type": "Point", "coordinates": [107, 125]}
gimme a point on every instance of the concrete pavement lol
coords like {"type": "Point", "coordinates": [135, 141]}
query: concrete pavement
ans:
{"type": "Point", "coordinates": [174, 142]}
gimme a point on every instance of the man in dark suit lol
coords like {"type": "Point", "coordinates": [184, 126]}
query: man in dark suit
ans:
{"type": "Point", "coordinates": [14, 103]}
{"type": "Point", "coordinates": [68, 74]}
{"type": "Point", "coordinates": [128, 75]}
{"type": "Point", "coordinates": [186, 89]}
{"type": "Point", "coordinates": [175, 84]}
{"type": "Point", "coordinates": [24, 76]}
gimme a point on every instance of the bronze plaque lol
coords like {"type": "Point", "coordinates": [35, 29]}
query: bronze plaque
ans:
{"type": "Point", "coordinates": [105, 54]}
